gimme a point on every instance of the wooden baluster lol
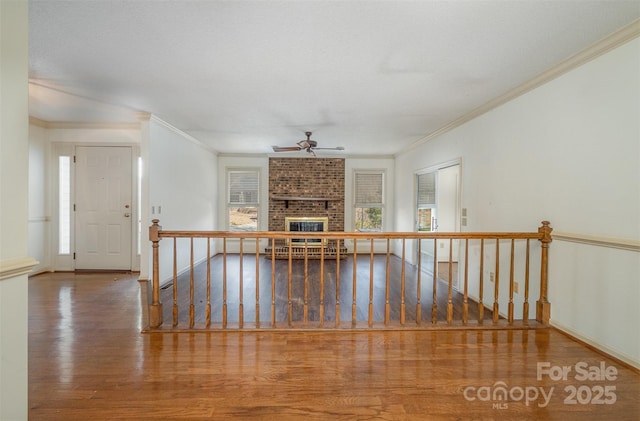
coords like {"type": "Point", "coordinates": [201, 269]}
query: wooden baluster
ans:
{"type": "Point", "coordinates": [273, 282]}
{"type": "Point", "coordinates": [387, 287]}
{"type": "Point", "coordinates": [543, 307]}
{"type": "Point", "coordinates": [402, 286]}
{"type": "Point", "coordinates": [338, 258]}
{"type": "Point", "coordinates": [465, 301]}
{"type": "Point", "coordinates": [481, 282]}
{"type": "Point", "coordinates": [305, 313]}
{"type": "Point", "coordinates": [434, 303]}
{"type": "Point", "coordinates": [371, 285]}
{"type": "Point", "coordinates": [525, 305]}
{"type": "Point", "coordinates": [450, 290]}
{"type": "Point", "coordinates": [224, 283]}
{"type": "Point", "coordinates": [511, 282]}
{"type": "Point", "coordinates": [289, 282]}
{"type": "Point", "coordinates": [208, 308]}
{"type": "Point", "coordinates": [322, 286]}
{"type": "Point", "coordinates": [155, 309]}
{"type": "Point", "coordinates": [496, 287]}
{"type": "Point", "coordinates": [241, 286]}
{"type": "Point", "coordinates": [354, 314]}
{"type": "Point", "coordinates": [175, 283]}
{"type": "Point", "coordinates": [419, 286]}
{"type": "Point", "coordinates": [192, 307]}
{"type": "Point", "coordinates": [257, 282]}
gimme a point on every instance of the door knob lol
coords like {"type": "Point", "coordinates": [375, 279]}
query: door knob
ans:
{"type": "Point", "coordinates": [126, 215]}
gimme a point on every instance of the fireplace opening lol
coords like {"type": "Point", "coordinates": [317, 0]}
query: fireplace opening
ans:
{"type": "Point", "coordinates": [307, 224]}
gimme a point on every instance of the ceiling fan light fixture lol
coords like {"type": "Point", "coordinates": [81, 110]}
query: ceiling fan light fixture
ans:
{"type": "Point", "coordinates": [307, 144]}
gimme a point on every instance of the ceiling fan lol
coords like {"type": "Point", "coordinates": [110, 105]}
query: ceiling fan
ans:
{"type": "Point", "coordinates": [307, 144]}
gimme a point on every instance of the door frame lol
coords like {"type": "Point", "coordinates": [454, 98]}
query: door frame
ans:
{"type": "Point", "coordinates": [66, 262]}
{"type": "Point", "coordinates": [458, 207]}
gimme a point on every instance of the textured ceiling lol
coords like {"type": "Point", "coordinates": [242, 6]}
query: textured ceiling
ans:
{"type": "Point", "coordinates": [241, 76]}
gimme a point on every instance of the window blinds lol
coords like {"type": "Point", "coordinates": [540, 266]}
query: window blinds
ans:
{"type": "Point", "coordinates": [368, 188]}
{"type": "Point", "coordinates": [426, 189]}
{"type": "Point", "coordinates": [244, 187]}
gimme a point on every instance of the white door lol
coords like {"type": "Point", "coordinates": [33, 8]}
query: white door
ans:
{"type": "Point", "coordinates": [447, 194]}
{"type": "Point", "coordinates": [437, 210]}
{"type": "Point", "coordinates": [103, 208]}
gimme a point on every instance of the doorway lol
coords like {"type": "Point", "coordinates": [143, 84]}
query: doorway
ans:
{"type": "Point", "coordinates": [438, 210]}
{"type": "Point", "coordinates": [103, 207]}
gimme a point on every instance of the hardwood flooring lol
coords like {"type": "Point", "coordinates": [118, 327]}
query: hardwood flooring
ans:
{"type": "Point", "coordinates": [283, 293]}
{"type": "Point", "coordinates": [88, 360]}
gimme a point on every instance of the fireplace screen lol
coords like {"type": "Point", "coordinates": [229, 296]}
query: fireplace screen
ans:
{"type": "Point", "coordinates": [310, 224]}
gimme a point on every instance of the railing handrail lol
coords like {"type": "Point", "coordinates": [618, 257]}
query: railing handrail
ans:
{"type": "Point", "coordinates": [543, 235]}
{"type": "Point", "coordinates": [351, 235]}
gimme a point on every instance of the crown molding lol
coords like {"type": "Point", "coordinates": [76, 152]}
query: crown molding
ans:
{"type": "Point", "coordinates": [38, 122]}
{"type": "Point", "coordinates": [368, 156]}
{"type": "Point", "coordinates": [242, 155]}
{"type": "Point", "coordinates": [618, 38]}
{"type": "Point", "coordinates": [309, 156]}
{"type": "Point", "coordinates": [142, 115]}
{"type": "Point", "coordinates": [82, 125]}
{"type": "Point", "coordinates": [180, 133]}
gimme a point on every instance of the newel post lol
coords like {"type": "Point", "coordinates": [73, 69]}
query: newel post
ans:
{"type": "Point", "coordinates": [543, 307]}
{"type": "Point", "coordinates": [155, 310]}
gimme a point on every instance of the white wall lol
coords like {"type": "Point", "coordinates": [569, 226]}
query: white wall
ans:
{"type": "Point", "coordinates": [180, 177]}
{"type": "Point", "coordinates": [182, 191]}
{"type": "Point", "coordinates": [39, 202]}
{"type": "Point", "coordinates": [262, 162]}
{"type": "Point", "coordinates": [14, 159]}
{"type": "Point", "coordinates": [249, 161]}
{"type": "Point", "coordinates": [230, 162]}
{"type": "Point", "coordinates": [352, 164]}
{"type": "Point", "coordinates": [99, 134]}
{"type": "Point", "coordinates": [47, 141]}
{"type": "Point", "coordinates": [567, 152]}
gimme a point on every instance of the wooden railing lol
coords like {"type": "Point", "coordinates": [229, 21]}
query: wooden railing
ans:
{"type": "Point", "coordinates": [307, 288]}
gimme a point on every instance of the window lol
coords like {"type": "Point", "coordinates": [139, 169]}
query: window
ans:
{"type": "Point", "coordinates": [426, 201]}
{"type": "Point", "coordinates": [369, 200]}
{"type": "Point", "coordinates": [64, 205]}
{"type": "Point", "coordinates": [243, 188]}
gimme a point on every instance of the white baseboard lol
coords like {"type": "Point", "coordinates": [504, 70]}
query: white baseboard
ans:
{"type": "Point", "coordinates": [598, 345]}
{"type": "Point", "coordinates": [180, 272]}
{"type": "Point", "coordinates": [41, 271]}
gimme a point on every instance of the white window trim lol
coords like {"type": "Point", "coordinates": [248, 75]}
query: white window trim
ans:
{"type": "Point", "coordinates": [228, 204]}
{"type": "Point", "coordinates": [381, 205]}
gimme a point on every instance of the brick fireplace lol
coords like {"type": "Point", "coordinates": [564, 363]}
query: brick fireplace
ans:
{"type": "Point", "coordinates": [306, 187]}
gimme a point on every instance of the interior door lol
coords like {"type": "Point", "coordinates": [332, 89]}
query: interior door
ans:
{"type": "Point", "coordinates": [447, 193]}
{"type": "Point", "coordinates": [426, 215]}
{"type": "Point", "coordinates": [437, 199]}
{"type": "Point", "coordinates": [103, 207]}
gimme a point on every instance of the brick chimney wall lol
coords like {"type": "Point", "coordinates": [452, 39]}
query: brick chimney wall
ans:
{"type": "Point", "coordinates": [306, 177]}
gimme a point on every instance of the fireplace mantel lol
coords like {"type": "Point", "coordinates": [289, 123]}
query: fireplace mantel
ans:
{"type": "Point", "coordinates": [286, 199]}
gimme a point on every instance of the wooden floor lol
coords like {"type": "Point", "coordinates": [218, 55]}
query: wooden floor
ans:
{"type": "Point", "coordinates": [88, 360]}
{"type": "Point", "coordinates": [296, 290]}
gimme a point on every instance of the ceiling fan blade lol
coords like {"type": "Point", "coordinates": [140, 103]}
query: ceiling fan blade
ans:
{"type": "Point", "coordinates": [337, 148]}
{"type": "Point", "coordinates": [308, 145]}
{"type": "Point", "coordinates": [286, 148]}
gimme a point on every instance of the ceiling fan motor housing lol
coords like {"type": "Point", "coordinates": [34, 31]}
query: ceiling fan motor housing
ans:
{"type": "Point", "coordinates": [306, 144]}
